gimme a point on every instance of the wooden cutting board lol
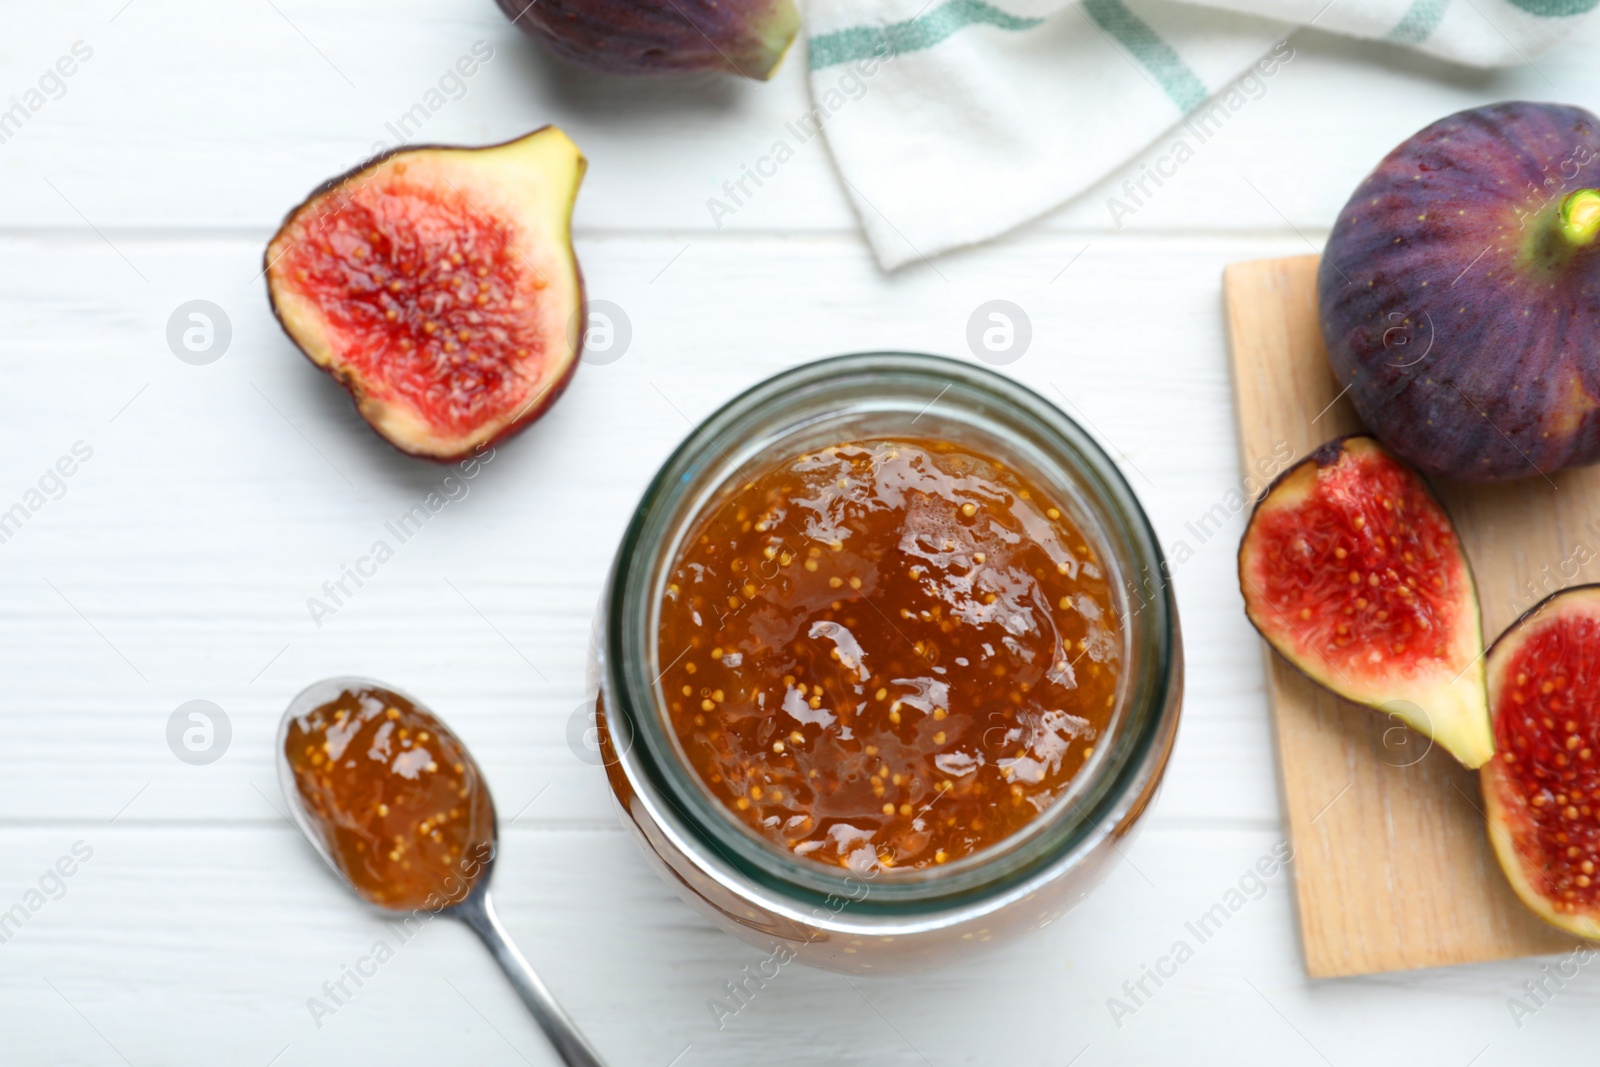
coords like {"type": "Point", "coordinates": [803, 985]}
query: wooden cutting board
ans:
{"type": "Point", "coordinates": [1392, 865]}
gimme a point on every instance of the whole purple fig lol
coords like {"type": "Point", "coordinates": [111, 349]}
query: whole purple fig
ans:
{"type": "Point", "coordinates": [746, 37]}
{"type": "Point", "coordinates": [1460, 294]}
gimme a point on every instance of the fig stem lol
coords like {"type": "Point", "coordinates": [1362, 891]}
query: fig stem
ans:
{"type": "Point", "coordinates": [1580, 217]}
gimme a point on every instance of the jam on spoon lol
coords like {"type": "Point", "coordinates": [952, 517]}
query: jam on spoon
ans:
{"type": "Point", "coordinates": [399, 802]}
{"type": "Point", "coordinates": [394, 802]}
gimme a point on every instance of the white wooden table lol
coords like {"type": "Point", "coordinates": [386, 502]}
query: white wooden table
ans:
{"type": "Point", "coordinates": [177, 564]}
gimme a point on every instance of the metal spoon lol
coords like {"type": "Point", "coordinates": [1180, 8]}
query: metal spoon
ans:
{"type": "Point", "coordinates": [476, 909]}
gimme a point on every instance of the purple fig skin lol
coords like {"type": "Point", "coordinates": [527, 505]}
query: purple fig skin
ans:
{"type": "Point", "coordinates": [1460, 307]}
{"type": "Point", "coordinates": [747, 37]}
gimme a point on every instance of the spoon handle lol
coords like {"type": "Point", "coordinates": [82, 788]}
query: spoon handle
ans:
{"type": "Point", "coordinates": [477, 911]}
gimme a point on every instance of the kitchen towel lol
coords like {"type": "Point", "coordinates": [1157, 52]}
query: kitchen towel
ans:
{"type": "Point", "coordinates": [951, 121]}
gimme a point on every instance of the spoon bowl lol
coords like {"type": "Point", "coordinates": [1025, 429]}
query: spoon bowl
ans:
{"type": "Point", "coordinates": [470, 902]}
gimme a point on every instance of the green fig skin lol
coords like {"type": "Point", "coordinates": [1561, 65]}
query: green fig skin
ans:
{"type": "Point", "coordinates": [747, 37]}
{"type": "Point", "coordinates": [1460, 294]}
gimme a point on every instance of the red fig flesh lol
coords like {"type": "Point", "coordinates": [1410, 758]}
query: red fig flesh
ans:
{"type": "Point", "coordinates": [439, 286]}
{"type": "Point", "coordinates": [1352, 570]}
{"type": "Point", "coordinates": [1542, 789]}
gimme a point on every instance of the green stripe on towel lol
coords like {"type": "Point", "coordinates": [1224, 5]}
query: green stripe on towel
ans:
{"type": "Point", "coordinates": [1419, 21]}
{"type": "Point", "coordinates": [1554, 9]}
{"type": "Point", "coordinates": [913, 35]}
{"type": "Point", "coordinates": [1176, 79]}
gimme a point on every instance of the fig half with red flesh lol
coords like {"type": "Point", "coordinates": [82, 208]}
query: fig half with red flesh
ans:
{"type": "Point", "coordinates": [1541, 791]}
{"type": "Point", "coordinates": [1353, 571]}
{"type": "Point", "coordinates": [439, 286]}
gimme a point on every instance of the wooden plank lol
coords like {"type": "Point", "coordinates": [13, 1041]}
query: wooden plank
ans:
{"type": "Point", "coordinates": [205, 520]}
{"type": "Point", "coordinates": [190, 162]}
{"type": "Point", "coordinates": [201, 946]}
{"type": "Point", "coordinates": [1393, 868]}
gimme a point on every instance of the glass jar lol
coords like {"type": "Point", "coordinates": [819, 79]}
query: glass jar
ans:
{"type": "Point", "coordinates": [889, 919]}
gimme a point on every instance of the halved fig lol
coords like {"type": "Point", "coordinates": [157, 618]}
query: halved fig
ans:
{"type": "Point", "coordinates": [1352, 570]}
{"type": "Point", "coordinates": [439, 286]}
{"type": "Point", "coordinates": [1541, 791]}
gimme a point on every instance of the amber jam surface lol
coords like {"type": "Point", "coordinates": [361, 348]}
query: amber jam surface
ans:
{"type": "Point", "coordinates": [400, 803]}
{"type": "Point", "coordinates": [888, 653]}
{"type": "Point", "coordinates": [425, 291]}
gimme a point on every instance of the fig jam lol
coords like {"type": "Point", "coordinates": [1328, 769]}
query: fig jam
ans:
{"type": "Point", "coordinates": [889, 653]}
{"type": "Point", "coordinates": [397, 799]}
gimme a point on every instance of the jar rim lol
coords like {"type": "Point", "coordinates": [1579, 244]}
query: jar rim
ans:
{"type": "Point", "coordinates": [702, 463]}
